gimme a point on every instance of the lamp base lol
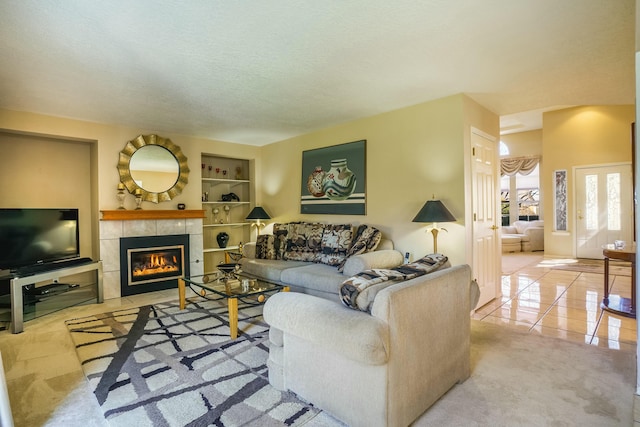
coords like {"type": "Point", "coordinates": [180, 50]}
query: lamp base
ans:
{"type": "Point", "coordinates": [434, 231]}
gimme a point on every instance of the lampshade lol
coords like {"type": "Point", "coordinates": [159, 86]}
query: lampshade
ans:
{"type": "Point", "coordinates": [258, 213]}
{"type": "Point", "coordinates": [434, 211]}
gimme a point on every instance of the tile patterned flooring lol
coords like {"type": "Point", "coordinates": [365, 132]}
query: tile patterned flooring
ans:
{"type": "Point", "coordinates": [559, 303]}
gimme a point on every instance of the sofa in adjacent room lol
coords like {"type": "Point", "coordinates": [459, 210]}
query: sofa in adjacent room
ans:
{"type": "Point", "coordinates": [530, 235]}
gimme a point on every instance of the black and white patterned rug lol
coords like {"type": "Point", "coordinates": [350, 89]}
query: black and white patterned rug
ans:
{"type": "Point", "coordinates": [158, 365]}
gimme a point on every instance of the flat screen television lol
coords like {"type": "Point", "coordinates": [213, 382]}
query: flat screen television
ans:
{"type": "Point", "coordinates": [37, 236]}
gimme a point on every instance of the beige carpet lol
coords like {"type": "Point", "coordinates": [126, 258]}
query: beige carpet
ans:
{"type": "Point", "coordinates": [521, 379]}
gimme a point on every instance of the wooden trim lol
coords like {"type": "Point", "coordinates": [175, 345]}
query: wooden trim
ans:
{"type": "Point", "coordinates": [124, 215]}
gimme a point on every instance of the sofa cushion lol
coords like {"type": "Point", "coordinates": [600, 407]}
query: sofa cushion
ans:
{"type": "Point", "coordinates": [367, 340]}
{"type": "Point", "coordinates": [359, 292]}
{"type": "Point", "coordinates": [366, 239]}
{"type": "Point", "coordinates": [316, 279]}
{"type": "Point", "coordinates": [336, 241]}
{"type": "Point", "coordinates": [268, 269]}
{"type": "Point", "coordinates": [303, 241]}
{"type": "Point", "coordinates": [265, 247]}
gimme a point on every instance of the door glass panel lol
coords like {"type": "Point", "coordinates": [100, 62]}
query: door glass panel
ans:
{"type": "Point", "coordinates": [591, 208]}
{"type": "Point", "coordinates": [613, 201]}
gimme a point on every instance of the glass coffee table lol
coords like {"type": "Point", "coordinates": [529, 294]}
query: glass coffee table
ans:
{"type": "Point", "coordinates": [247, 289]}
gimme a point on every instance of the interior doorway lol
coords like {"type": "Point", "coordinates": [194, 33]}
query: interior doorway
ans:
{"type": "Point", "coordinates": [486, 219]}
{"type": "Point", "coordinates": [604, 207]}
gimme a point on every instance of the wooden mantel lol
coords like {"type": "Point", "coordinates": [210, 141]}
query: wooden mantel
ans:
{"type": "Point", "coordinates": [127, 215]}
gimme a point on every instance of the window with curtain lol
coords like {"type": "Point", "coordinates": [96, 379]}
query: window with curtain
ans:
{"type": "Point", "coordinates": [523, 172]}
{"type": "Point", "coordinates": [518, 165]}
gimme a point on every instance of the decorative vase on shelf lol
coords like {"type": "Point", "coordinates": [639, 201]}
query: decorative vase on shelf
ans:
{"type": "Point", "coordinates": [138, 194]}
{"type": "Point", "coordinates": [120, 197]}
{"type": "Point", "coordinates": [314, 182]}
{"type": "Point", "coordinates": [223, 239]}
{"type": "Point", "coordinates": [339, 182]}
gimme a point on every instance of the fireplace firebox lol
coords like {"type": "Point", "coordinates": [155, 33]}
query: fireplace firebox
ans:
{"type": "Point", "coordinates": [152, 263]}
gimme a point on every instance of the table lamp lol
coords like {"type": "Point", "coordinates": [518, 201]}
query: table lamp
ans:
{"type": "Point", "coordinates": [256, 215]}
{"type": "Point", "coordinates": [434, 211]}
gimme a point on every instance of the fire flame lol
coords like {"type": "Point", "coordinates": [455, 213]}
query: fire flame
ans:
{"type": "Point", "coordinates": [157, 265]}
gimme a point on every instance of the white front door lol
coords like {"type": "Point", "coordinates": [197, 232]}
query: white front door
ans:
{"type": "Point", "coordinates": [486, 200]}
{"type": "Point", "coordinates": [604, 208]}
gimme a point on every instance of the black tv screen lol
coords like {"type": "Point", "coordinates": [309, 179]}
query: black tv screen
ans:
{"type": "Point", "coordinates": [37, 236]}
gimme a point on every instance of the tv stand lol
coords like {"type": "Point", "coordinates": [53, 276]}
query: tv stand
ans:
{"type": "Point", "coordinates": [17, 283]}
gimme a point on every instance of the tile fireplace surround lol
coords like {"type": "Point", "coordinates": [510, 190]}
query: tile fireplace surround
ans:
{"type": "Point", "coordinates": [144, 224]}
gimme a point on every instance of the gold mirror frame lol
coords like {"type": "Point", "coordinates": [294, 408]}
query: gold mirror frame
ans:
{"type": "Point", "coordinates": [125, 173]}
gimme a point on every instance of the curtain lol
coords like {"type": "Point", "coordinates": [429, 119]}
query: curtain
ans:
{"type": "Point", "coordinates": [522, 165]}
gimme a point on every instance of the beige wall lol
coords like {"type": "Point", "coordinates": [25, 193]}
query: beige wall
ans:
{"type": "Point", "coordinates": [523, 144]}
{"type": "Point", "coordinates": [412, 154]}
{"type": "Point", "coordinates": [107, 141]}
{"type": "Point", "coordinates": [580, 136]}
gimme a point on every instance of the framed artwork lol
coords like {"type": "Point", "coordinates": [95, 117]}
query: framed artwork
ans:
{"type": "Point", "coordinates": [334, 179]}
{"type": "Point", "coordinates": [560, 200]}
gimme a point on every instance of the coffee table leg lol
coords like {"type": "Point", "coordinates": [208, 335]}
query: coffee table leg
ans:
{"type": "Point", "coordinates": [233, 317]}
{"type": "Point", "coordinates": [181, 293]}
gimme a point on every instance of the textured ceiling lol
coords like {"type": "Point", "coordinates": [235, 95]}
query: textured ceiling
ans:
{"type": "Point", "coordinates": [256, 72]}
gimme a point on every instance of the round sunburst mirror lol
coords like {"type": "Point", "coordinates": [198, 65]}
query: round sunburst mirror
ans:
{"type": "Point", "coordinates": [155, 166]}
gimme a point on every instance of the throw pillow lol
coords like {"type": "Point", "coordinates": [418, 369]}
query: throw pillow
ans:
{"type": "Point", "coordinates": [265, 247]}
{"type": "Point", "coordinates": [280, 233]}
{"type": "Point", "coordinates": [336, 240]}
{"type": "Point", "coordinates": [303, 241]}
{"type": "Point", "coordinates": [366, 239]}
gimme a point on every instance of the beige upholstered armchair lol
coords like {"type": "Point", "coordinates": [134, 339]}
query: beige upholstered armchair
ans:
{"type": "Point", "coordinates": [383, 368]}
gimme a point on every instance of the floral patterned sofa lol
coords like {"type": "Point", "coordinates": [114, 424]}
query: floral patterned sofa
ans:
{"type": "Point", "coordinates": [316, 258]}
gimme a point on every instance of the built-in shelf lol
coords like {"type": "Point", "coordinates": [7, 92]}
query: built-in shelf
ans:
{"type": "Point", "coordinates": [233, 224]}
{"type": "Point", "coordinates": [232, 212]}
{"type": "Point", "coordinates": [220, 202]}
{"type": "Point", "coordinates": [216, 181]}
{"type": "Point", "coordinates": [123, 214]}
{"type": "Point", "coordinates": [228, 248]}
